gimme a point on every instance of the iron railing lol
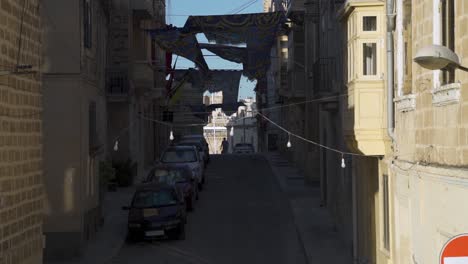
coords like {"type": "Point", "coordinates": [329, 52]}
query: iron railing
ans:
{"type": "Point", "coordinates": [117, 83]}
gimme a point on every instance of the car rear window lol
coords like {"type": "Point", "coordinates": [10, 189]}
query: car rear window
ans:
{"type": "Point", "coordinates": [144, 199]}
{"type": "Point", "coordinates": [179, 156]}
{"type": "Point", "coordinates": [196, 144]}
{"type": "Point", "coordinates": [168, 176]}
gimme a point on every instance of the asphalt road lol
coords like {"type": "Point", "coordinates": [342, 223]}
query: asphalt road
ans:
{"type": "Point", "coordinates": [242, 217]}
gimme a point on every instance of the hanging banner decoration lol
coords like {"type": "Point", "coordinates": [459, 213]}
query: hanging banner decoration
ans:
{"type": "Point", "coordinates": [185, 45]}
{"type": "Point", "coordinates": [230, 53]}
{"type": "Point", "coordinates": [176, 93]}
{"type": "Point", "coordinates": [168, 62]}
{"type": "Point", "coordinates": [171, 74]}
{"type": "Point", "coordinates": [257, 31]}
{"type": "Point", "coordinates": [226, 81]}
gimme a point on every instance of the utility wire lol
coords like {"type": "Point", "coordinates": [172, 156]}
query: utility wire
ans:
{"type": "Point", "coordinates": [240, 7]}
{"type": "Point", "coordinates": [253, 2]}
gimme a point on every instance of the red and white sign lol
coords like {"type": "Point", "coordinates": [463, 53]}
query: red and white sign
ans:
{"type": "Point", "coordinates": [455, 251]}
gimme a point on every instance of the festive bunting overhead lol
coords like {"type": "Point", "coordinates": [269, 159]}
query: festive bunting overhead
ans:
{"type": "Point", "coordinates": [230, 53]}
{"type": "Point", "coordinates": [226, 81]}
{"type": "Point", "coordinates": [185, 45]}
{"type": "Point", "coordinates": [234, 29]}
{"type": "Point", "coordinates": [257, 31]}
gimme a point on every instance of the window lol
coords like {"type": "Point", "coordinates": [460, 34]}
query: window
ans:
{"type": "Point", "coordinates": [386, 213]}
{"type": "Point", "coordinates": [369, 58]}
{"type": "Point", "coordinates": [92, 137]}
{"type": "Point", "coordinates": [87, 29]}
{"type": "Point", "coordinates": [180, 156]}
{"type": "Point", "coordinates": [153, 51]}
{"type": "Point", "coordinates": [448, 35]}
{"type": "Point", "coordinates": [407, 42]}
{"type": "Point", "coordinates": [369, 23]}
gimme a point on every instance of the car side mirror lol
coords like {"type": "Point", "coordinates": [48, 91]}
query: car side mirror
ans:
{"type": "Point", "coordinates": [126, 208]}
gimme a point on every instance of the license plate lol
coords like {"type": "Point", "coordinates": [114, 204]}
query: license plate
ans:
{"type": "Point", "coordinates": [150, 212]}
{"type": "Point", "coordinates": [154, 233]}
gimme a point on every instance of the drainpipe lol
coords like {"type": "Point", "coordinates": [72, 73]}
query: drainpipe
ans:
{"type": "Point", "coordinates": [355, 216]}
{"type": "Point", "coordinates": [390, 68]}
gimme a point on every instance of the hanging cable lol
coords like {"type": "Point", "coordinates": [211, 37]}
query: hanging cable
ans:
{"type": "Point", "coordinates": [20, 41]}
{"type": "Point", "coordinates": [310, 141]}
{"type": "Point", "coordinates": [242, 9]}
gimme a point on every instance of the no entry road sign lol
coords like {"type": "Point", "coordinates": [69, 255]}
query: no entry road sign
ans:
{"type": "Point", "coordinates": [455, 251]}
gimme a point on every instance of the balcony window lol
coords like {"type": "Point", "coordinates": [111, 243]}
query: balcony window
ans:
{"type": "Point", "coordinates": [369, 23]}
{"type": "Point", "coordinates": [369, 58]}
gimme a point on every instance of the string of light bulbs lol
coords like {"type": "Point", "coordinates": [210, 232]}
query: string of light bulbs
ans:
{"type": "Point", "coordinates": [289, 145]}
{"type": "Point", "coordinates": [231, 133]}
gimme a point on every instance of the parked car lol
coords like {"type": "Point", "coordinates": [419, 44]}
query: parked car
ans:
{"type": "Point", "coordinates": [156, 210]}
{"type": "Point", "coordinates": [186, 155]}
{"type": "Point", "coordinates": [201, 149]}
{"type": "Point", "coordinates": [244, 148]}
{"type": "Point", "coordinates": [178, 175]}
{"type": "Point", "coordinates": [198, 138]}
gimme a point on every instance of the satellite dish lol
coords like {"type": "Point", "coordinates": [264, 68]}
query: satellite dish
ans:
{"type": "Point", "coordinates": [436, 57]}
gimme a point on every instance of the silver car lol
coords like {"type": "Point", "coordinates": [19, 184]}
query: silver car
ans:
{"type": "Point", "coordinates": [244, 148]}
{"type": "Point", "coordinates": [188, 156]}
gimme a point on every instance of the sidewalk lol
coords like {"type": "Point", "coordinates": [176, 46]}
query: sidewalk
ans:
{"type": "Point", "coordinates": [111, 236]}
{"type": "Point", "coordinates": [313, 223]}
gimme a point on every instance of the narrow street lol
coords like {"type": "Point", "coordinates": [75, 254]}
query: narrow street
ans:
{"type": "Point", "coordinates": [242, 217]}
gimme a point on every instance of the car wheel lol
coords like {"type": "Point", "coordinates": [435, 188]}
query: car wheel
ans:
{"type": "Point", "coordinates": [181, 232]}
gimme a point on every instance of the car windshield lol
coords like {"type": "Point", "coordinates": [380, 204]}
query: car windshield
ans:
{"type": "Point", "coordinates": [158, 198]}
{"type": "Point", "coordinates": [179, 156]}
{"type": "Point", "coordinates": [168, 176]}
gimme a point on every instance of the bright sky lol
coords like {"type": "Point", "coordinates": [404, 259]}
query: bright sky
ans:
{"type": "Point", "coordinates": [179, 10]}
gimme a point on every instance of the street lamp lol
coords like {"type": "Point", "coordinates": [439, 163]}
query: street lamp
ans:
{"type": "Point", "coordinates": [436, 57]}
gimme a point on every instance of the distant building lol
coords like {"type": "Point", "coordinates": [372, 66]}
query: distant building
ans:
{"type": "Point", "coordinates": [244, 125]}
{"type": "Point", "coordinates": [216, 130]}
{"type": "Point", "coordinates": [214, 98]}
{"type": "Point", "coordinates": [266, 5]}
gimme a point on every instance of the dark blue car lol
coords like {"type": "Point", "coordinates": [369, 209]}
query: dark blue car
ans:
{"type": "Point", "coordinates": [157, 210]}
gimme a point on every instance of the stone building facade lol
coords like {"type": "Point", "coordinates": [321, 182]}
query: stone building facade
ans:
{"type": "Point", "coordinates": [135, 83]}
{"type": "Point", "coordinates": [21, 166]}
{"type": "Point", "coordinates": [75, 117]}
{"type": "Point", "coordinates": [429, 172]}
